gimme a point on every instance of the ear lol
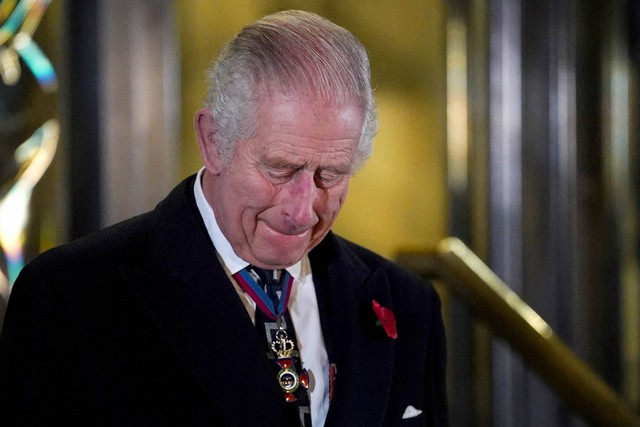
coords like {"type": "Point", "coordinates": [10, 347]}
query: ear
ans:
{"type": "Point", "coordinates": [206, 131]}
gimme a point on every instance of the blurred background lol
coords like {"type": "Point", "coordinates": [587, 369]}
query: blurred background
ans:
{"type": "Point", "coordinates": [513, 125]}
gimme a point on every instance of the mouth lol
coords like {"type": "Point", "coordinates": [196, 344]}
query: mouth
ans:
{"type": "Point", "coordinates": [281, 247]}
{"type": "Point", "coordinates": [288, 233]}
{"type": "Point", "coordinates": [285, 236]}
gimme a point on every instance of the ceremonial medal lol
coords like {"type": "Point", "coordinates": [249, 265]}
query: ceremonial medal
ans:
{"type": "Point", "coordinates": [288, 377]}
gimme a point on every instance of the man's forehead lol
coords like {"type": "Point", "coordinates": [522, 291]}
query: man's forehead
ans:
{"type": "Point", "coordinates": [276, 155]}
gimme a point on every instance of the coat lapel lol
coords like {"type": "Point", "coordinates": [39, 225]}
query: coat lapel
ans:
{"type": "Point", "coordinates": [185, 290]}
{"type": "Point", "coordinates": [363, 354]}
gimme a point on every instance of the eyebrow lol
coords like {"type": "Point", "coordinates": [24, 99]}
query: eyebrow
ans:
{"type": "Point", "coordinates": [284, 164]}
{"type": "Point", "coordinates": [343, 168]}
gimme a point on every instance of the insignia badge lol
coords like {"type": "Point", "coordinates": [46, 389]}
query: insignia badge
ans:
{"type": "Point", "coordinates": [288, 378]}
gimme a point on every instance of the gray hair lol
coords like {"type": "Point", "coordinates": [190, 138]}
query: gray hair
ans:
{"type": "Point", "coordinates": [294, 52]}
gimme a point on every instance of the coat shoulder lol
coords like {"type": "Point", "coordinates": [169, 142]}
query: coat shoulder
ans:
{"type": "Point", "coordinates": [125, 242]}
{"type": "Point", "coordinates": [119, 242]}
{"type": "Point", "coordinates": [373, 262]}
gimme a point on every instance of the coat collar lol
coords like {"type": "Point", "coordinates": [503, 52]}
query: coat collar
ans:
{"type": "Point", "coordinates": [185, 290]}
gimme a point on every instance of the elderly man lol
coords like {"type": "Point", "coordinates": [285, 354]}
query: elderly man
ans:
{"type": "Point", "coordinates": [232, 303]}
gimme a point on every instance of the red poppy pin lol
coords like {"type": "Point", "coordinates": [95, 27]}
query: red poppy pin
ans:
{"type": "Point", "coordinates": [386, 319]}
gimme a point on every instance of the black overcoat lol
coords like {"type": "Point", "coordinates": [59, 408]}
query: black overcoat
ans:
{"type": "Point", "coordinates": [138, 325]}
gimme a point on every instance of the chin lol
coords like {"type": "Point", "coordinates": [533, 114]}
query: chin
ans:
{"type": "Point", "coordinates": [282, 250]}
{"type": "Point", "coordinates": [285, 261]}
{"type": "Point", "coordinates": [278, 259]}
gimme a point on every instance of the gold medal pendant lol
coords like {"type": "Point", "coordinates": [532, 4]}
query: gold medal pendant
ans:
{"type": "Point", "coordinates": [287, 376]}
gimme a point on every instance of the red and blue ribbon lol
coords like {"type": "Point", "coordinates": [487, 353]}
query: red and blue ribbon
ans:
{"type": "Point", "coordinates": [250, 285]}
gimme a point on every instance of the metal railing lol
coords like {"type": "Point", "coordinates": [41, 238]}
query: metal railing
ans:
{"type": "Point", "coordinates": [512, 319]}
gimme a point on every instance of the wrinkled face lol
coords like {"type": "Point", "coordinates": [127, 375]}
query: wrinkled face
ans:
{"type": "Point", "coordinates": [283, 188]}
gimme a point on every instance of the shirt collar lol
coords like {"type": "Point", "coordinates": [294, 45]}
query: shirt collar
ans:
{"type": "Point", "coordinates": [231, 261]}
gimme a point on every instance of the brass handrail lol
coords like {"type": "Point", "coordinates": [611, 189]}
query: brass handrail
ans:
{"type": "Point", "coordinates": [511, 318]}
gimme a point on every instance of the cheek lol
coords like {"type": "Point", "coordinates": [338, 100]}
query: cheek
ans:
{"type": "Point", "coordinates": [257, 201]}
{"type": "Point", "coordinates": [342, 197]}
{"type": "Point", "coordinates": [335, 199]}
{"type": "Point", "coordinates": [254, 191]}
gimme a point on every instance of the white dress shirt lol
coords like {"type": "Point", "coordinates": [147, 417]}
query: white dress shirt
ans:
{"type": "Point", "coordinates": [303, 308]}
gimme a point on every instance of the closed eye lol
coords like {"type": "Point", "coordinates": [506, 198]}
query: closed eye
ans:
{"type": "Point", "coordinates": [280, 175]}
{"type": "Point", "coordinates": [328, 178]}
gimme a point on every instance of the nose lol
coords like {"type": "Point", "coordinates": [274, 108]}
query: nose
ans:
{"type": "Point", "coordinates": [300, 207]}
